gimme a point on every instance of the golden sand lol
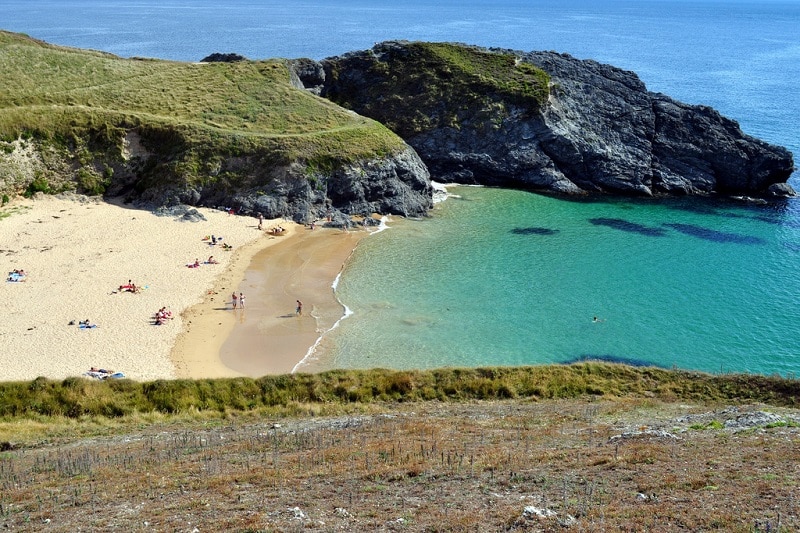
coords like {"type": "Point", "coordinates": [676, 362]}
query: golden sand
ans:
{"type": "Point", "coordinates": [77, 252]}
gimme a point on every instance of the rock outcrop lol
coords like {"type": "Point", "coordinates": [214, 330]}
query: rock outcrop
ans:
{"type": "Point", "coordinates": [599, 131]}
{"type": "Point", "coordinates": [218, 57]}
{"type": "Point", "coordinates": [392, 184]}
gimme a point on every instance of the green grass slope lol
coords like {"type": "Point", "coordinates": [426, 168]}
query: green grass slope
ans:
{"type": "Point", "coordinates": [86, 101]}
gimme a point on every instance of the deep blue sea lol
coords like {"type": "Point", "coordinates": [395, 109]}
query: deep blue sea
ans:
{"type": "Point", "coordinates": [498, 277]}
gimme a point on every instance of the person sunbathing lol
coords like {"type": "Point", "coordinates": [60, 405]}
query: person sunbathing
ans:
{"type": "Point", "coordinates": [16, 275]}
{"type": "Point", "coordinates": [211, 260]}
{"type": "Point", "coordinates": [130, 287]}
{"type": "Point", "coordinates": [162, 316]}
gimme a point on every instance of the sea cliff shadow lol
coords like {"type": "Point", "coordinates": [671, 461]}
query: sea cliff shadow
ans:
{"type": "Point", "coordinates": [630, 227]}
{"type": "Point", "coordinates": [712, 235]}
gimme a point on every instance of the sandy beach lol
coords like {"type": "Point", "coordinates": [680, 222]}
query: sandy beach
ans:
{"type": "Point", "coordinates": [269, 337]}
{"type": "Point", "coordinates": [77, 252]}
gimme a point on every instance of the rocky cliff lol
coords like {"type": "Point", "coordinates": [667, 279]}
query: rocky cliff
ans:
{"type": "Point", "coordinates": [596, 128]}
{"type": "Point", "coordinates": [227, 132]}
{"type": "Point", "coordinates": [166, 133]}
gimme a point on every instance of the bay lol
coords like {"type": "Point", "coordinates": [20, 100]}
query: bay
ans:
{"type": "Point", "coordinates": [508, 277]}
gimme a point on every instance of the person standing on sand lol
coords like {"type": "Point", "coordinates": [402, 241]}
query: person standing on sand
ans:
{"type": "Point", "coordinates": [234, 300]}
{"type": "Point", "coordinates": [241, 300]}
{"type": "Point", "coordinates": [260, 220]}
{"type": "Point", "coordinates": [299, 310]}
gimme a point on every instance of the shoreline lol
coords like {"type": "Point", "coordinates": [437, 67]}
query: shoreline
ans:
{"type": "Point", "coordinates": [77, 252]}
{"type": "Point", "coordinates": [270, 338]}
{"type": "Point", "coordinates": [209, 323]}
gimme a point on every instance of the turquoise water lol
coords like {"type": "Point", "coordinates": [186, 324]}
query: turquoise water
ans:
{"type": "Point", "coordinates": [506, 277]}
{"type": "Point", "coordinates": [499, 277]}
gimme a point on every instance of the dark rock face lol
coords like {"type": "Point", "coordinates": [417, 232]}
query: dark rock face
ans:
{"type": "Point", "coordinates": [217, 57]}
{"type": "Point", "coordinates": [307, 74]}
{"type": "Point", "coordinates": [394, 185]}
{"type": "Point", "coordinates": [601, 131]}
{"type": "Point", "coordinates": [397, 184]}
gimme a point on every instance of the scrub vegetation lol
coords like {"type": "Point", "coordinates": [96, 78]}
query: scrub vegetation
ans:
{"type": "Point", "coordinates": [584, 447]}
{"type": "Point", "coordinates": [413, 89]}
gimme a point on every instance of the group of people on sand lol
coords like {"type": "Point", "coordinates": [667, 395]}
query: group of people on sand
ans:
{"type": "Point", "coordinates": [197, 263]}
{"type": "Point", "coordinates": [162, 316]}
{"type": "Point", "coordinates": [17, 275]}
{"type": "Point", "coordinates": [237, 301]}
{"type": "Point", "coordinates": [214, 240]}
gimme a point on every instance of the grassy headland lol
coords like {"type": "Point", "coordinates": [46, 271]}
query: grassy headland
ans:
{"type": "Point", "coordinates": [411, 89]}
{"type": "Point", "coordinates": [84, 102]}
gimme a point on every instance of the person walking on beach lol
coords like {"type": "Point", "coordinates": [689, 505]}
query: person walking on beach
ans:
{"type": "Point", "coordinates": [234, 300]}
{"type": "Point", "coordinates": [260, 220]}
{"type": "Point", "coordinates": [299, 310]}
{"type": "Point", "coordinates": [241, 300]}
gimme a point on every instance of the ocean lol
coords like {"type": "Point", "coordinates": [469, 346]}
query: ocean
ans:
{"type": "Point", "coordinates": [499, 277]}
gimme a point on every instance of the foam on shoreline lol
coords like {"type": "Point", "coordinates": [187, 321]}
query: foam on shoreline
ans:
{"type": "Point", "coordinates": [270, 338]}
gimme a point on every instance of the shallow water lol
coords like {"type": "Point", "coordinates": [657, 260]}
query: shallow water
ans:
{"type": "Point", "coordinates": [499, 277]}
{"type": "Point", "coordinates": [505, 277]}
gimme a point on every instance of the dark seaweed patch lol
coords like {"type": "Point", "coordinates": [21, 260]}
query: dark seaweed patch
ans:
{"type": "Point", "coordinates": [713, 235]}
{"type": "Point", "coordinates": [607, 358]}
{"type": "Point", "coordinates": [626, 225]}
{"type": "Point", "coordinates": [768, 219]}
{"type": "Point", "coordinates": [534, 231]}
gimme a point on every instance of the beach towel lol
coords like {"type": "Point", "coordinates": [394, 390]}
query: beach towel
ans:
{"type": "Point", "coordinates": [104, 374]}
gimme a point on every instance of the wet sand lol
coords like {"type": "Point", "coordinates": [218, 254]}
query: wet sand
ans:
{"type": "Point", "coordinates": [268, 337]}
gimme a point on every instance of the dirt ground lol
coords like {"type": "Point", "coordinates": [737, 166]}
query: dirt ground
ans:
{"type": "Point", "coordinates": [491, 466]}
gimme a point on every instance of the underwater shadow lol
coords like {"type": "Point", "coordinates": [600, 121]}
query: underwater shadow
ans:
{"type": "Point", "coordinates": [626, 225]}
{"type": "Point", "coordinates": [605, 358]}
{"type": "Point", "coordinates": [791, 246]}
{"type": "Point", "coordinates": [713, 235]}
{"type": "Point", "coordinates": [534, 231]}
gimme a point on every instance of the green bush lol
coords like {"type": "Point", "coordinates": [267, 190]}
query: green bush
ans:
{"type": "Point", "coordinates": [39, 184]}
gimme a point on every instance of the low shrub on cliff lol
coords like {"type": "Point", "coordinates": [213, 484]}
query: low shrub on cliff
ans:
{"type": "Point", "coordinates": [415, 87]}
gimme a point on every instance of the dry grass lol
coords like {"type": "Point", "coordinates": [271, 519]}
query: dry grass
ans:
{"type": "Point", "coordinates": [622, 465]}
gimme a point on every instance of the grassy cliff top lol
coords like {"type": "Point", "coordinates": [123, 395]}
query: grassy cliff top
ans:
{"type": "Point", "coordinates": [413, 87]}
{"type": "Point", "coordinates": [50, 91]}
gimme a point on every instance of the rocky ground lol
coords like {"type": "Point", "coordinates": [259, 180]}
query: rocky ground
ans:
{"type": "Point", "coordinates": [544, 466]}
